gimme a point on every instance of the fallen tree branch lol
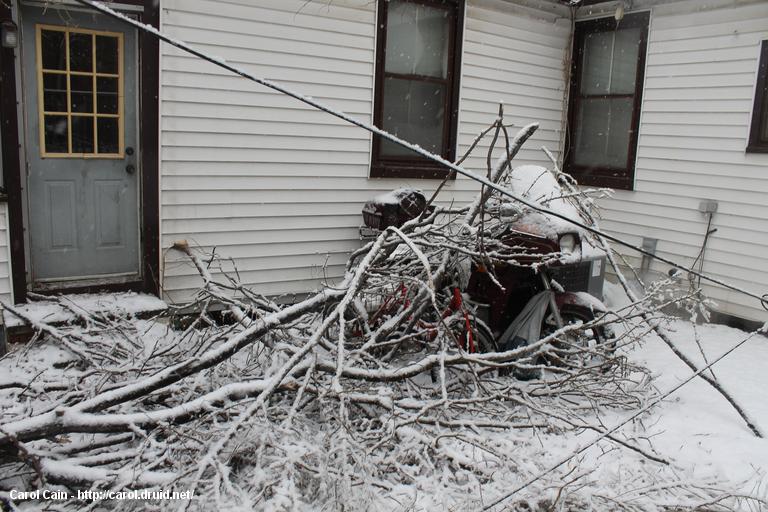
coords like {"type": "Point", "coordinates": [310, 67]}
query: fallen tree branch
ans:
{"type": "Point", "coordinates": [652, 322]}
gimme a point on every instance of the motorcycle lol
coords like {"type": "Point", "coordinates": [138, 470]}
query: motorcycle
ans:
{"type": "Point", "coordinates": [554, 279]}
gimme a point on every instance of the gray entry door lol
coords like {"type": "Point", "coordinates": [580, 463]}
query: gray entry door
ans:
{"type": "Point", "coordinates": [80, 77]}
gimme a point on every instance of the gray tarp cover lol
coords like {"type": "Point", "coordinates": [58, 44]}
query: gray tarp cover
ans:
{"type": "Point", "coordinates": [527, 326]}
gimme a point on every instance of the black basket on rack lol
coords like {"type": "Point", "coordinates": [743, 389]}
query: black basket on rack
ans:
{"type": "Point", "coordinates": [394, 208]}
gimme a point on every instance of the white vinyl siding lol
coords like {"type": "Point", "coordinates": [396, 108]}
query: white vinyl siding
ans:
{"type": "Point", "coordinates": [515, 56]}
{"type": "Point", "coordinates": [278, 186]}
{"type": "Point", "coordinates": [258, 176]}
{"type": "Point", "coordinates": [6, 294]}
{"type": "Point", "coordinates": [697, 102]}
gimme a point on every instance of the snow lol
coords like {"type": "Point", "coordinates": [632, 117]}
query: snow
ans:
{"type": "Point", "coordinates": [696, 425]}
{"type": "Point", "coordinates": [46, 362]}
{"type": "Point", "coordinates": [539, 186]}
{"type": "Point", "coordinates": [586, 300]}
{"type": "Point", "coordinates": [64, 309]}
{"type": "Point", "coordinates": [694, 429]}
{"type": "Point", "coordinates": [395, 196]}
{"type": "Point", "coordinates": [75, 472]}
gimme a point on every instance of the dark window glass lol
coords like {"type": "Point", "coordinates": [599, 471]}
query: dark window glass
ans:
{"type": "Point", "coordinates": [764, 126]}
{"type": "Point", "coordinates": [606, 86]}
{"type": "Point", "coordinates": [54, 92]}
{"type": "Point", "coordinates": [80, 52]}
{"type": "Point", "coordinates": [414, 111]}
{"type": "Point", "coordinates": [106, 54]}
{"type": "Point", "coordinates": [53, 49]}
{"type": "Point", "coordinates": [603, 129]}
{"type": "Point", "coordinates": [82, 134]}
{"type": "Point", "coordinates": [758, 133]}
{"type": "Point", "coordinates": [81, 93]}
{"type": "Point", "coordinates": [106, 95]}
{"type": "Point", "coordinates": [417, 39]}
{"type": "Point", "coordinates": [416, 84]}
{"type": "Point", "coordinates": [108, 135]}
{"type": "Point", "coordinates": [56, 134]}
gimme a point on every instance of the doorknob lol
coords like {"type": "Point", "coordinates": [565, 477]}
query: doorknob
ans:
{"type": "Point", "coordinates": [129, 151]}
{"type": "Point", "coordinates": [130, 169]}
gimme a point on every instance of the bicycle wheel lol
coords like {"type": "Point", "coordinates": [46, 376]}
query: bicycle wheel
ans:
{"type": "Point", "coordinates": [483, 338]}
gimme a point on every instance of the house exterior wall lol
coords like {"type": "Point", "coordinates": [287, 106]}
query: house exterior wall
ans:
{"type": "Point", "coordinates": [278, 186]}
{"type": "Point", "coordinates": [697, 101]}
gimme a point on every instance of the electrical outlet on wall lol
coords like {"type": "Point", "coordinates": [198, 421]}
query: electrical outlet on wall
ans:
{"type": "Point", "coordinates": [708, 206]}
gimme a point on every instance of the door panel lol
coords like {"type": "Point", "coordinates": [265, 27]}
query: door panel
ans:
{"type": "Point", "coordinates": [109, 209]}
{"type": "Point", "coordinates": [60, 205]}
{"type": "Point", "coordinates": [80, 97]}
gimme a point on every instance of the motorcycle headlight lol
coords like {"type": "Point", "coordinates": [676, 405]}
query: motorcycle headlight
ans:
{"type": "Point", "coordinates": [568, 243]}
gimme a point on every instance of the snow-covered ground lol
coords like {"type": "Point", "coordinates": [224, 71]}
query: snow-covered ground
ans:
{"type": "Point", "coordinates": [695, 429]}
{"type": "Point", "coordinates": [696, 426]}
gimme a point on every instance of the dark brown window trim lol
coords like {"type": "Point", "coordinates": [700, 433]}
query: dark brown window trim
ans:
{"type": "Point", "coordinates": [149, 46]}
{"type": "Point", "coordinates": [758, 142]}
{"type": "Point", "coordinates": [149, 50]}
{"type": "Point", "coordinates": [607, 177]}
{"type": "Point", "coordinates": [419, 167]}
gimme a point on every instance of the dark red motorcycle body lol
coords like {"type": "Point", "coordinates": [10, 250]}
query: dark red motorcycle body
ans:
{"type": "Point", "coordinates": [580, 282]}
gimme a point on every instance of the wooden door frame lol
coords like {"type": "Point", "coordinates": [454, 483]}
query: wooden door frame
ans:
{"type": "Point", "coordinates": [148, 120]}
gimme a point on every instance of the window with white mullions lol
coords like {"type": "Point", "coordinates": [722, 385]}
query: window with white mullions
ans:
{"type": "Point", "coordinates": [606, 88]}
{"type": "Point", "coordinates": [80, 85]}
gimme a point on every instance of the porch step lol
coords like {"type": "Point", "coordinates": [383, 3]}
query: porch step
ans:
{"type": "Point", "coordinates": [54, 311]}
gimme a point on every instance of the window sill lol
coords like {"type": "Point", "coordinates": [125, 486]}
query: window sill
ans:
{"type": "Point", "coordinates": [757, 148]}
{"type": "Point", "coordinates": [610, 178]}
{"type": "Point", "coordinates": [384, 170]}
